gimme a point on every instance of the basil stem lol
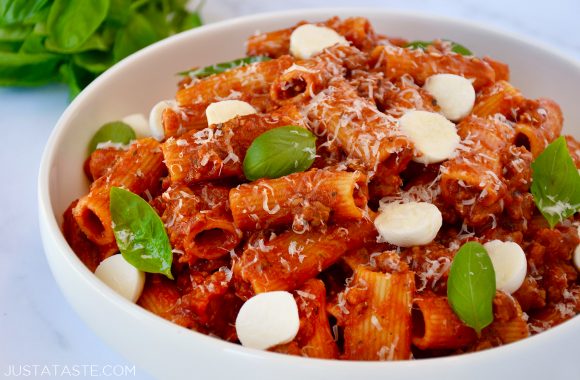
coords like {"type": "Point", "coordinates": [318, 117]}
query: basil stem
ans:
{"type": "Point", "coordinates": [223, 66]}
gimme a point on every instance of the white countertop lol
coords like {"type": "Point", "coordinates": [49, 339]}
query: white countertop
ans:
{"type": "Point", "coordinates": [37, 326]}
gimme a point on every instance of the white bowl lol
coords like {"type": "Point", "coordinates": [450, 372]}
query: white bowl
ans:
{"type": "Point", "coordinates": [168, 351]}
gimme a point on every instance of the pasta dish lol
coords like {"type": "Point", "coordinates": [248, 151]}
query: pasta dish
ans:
{"type": "Point", "coordinates": [340, 194]}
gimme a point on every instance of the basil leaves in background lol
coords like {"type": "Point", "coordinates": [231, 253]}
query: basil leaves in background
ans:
{"type": "Point", "coordinates": [74, 41]}
{"type": "Point", "coordinates": [556, 183]}
{"type": "Point", "coordinates": [140, 233]}
{"type": "Point", "coordinates": [279, 152]}
{"type": "Point", "coordinates": [71, 23]}
{"type": "Point", "coordinates": [224, 66]}
{"type": "Point", "coordinates": [115, 132]}
{"type": "Point", "coordinates": [471, 286]}
{"type": "Point", "coordinates": [455, 47]}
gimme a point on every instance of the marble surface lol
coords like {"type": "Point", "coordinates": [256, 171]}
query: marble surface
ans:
{"type": "Point", "coordinates": [38, 329]}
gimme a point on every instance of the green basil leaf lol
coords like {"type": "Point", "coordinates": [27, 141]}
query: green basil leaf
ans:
{"type": "Point", "coordinates": [471, 286]}
{"type": "Point", "coordinates": [460, 49]}
{"type": "Point", "coordinates": [139, 232]}
{"type": "Point", "coordinates": [75, 77]}
{"type": "Point", "coordinates": [455, 47]}
{"type": "Point", "coordinates": [95, 42]}
{"type": "Point", "coordinates": [418, 44]}
{"type": "Point", "coordinates": [10, 47]}
{"type": "Point", "coordinates": [279, 152]}
{"type": "Point", "coordinates": [192, 20]}
{"type": "Point", "coordinates": [137, 34]}
{"type": "Point", "coordinates": [72, 23]}
{"type": "Point", "coordinates": [224, 66]}
{"type": "Point", "coordinates": [95, 62]}
{"type": "Point", "coordinates": [116, 132]}
{"type": "Point", "coordinates": [89, 36]}
{"type": "Point", "coordinates": [119, 11]}
{"type": "Point", "coordinates": [23, 11]}
{"type": "Point", "coordinates": [18, 69]}
{"type": "Point", "coordinates": [34, 44]}
{"type": "Point", "coordinates": [14, 33]}
{"type": "Point", "coordinates": [556, 183]}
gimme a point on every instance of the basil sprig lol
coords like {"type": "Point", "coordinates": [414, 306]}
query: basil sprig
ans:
{"type": "Point", "coordinates": [140, 233]}
{"type": "Point", "coordinates": [223, 66]}
{"type": "Point", "coordinates": [115, 132]}
{"type": "Point", "coordinates": [556, 183]}
{"type": "Point", "coordinates": [471, 286]}
{"type": "Point", "coordinates": [455, 47]}
{"type": "Point", "coordinates": [279, 152]}
{"type": "Point", "coordinates": [44, 41]}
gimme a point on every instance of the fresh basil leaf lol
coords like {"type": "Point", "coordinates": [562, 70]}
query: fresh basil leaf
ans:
{"type": "Point", "coordinates": [418, 44]}
{"type": "Point", "coordinates": [119, 11]}
{"type": "Point", "coordinates": [136, 5]}
{"type": "Point", "coordinates": [75, 77]}
{"type": "Point", "coordinates": [116, 132]}
{"type": "Point", "coordinates": [159, 19]}
{"type": "Point", "coordinates": [23, 11]}
{"type": "Point", "coordinates": [192, 20]}
{"type": "Point", "coordinates": [72, 23]}
{"type": "Point", "coordinates": [34, 44]}
{"type": "Point", "coordinates": [95, 42]}
{"type": "Point", "coordinates": [10, 47]}
{"type": "Point", "coordinates": [185, 20]}
{"type": "Point", "coordinates": [460, 49]}
{"type": "Point", "coordinates": [471, 286]}
{"type": "Point", "coordinates": [68, 76]}
{"type": "Point", "coordinates": [137, 34]}
{"type": "Point", "coordinates": [139, 232]}
{"type": "Point", "coordinates": [95, 62]}
{"type": "Point", "coordinates": [89, 37]}
{"type": "Point", "coordinates": [14, 33]}
{"type": "Point", "coordinates": [556, 183]}
{"type": "Point", "coordinates": [455, 47]}
{"type": "Point", "coordinates": [279, 152]}
{"type": "Point", "coordinates": [19, 69]}
{"type": "Point", "coordinates": [224, 66]}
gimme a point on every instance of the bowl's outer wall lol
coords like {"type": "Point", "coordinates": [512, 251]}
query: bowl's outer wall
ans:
{"type": "Point", "coordinates": [170, 352]}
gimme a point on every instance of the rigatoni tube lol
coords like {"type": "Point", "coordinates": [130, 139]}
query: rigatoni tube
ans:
{"type": "Point", "coordinates": [312, 197]}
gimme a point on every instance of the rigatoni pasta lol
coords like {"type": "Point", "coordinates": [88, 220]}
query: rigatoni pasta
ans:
{"type": "Point", "coordinates": [317, 195]}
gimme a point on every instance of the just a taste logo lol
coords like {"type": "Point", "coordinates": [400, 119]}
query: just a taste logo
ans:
{"type": "Point", "coordinates": [64, 371]}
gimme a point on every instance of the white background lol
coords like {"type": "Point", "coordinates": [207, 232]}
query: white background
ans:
{"type": "Point", "coordinates": [37, 326]}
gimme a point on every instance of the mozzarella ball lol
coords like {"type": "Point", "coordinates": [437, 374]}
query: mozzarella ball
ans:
{"type": "Point", "coordinates": [453, 93]}
{"type": "Point", "coordinates": [121, 276]}
{"type": "Point", "coordinates": [435, 138]}
{"type": "Point", "coordinates": [267, 320]}
{"type": "Point", "coordinates": [139, 123]}
{"type": "Point", "coordinates": [509, 263]}
{"type": "Point", "coordinates": [409, 224]}
{"type": "Point", "coordinates": [308, 40]}
{"type": "Point", "coordinates": [220, 112]}
{"type": "Point", "coordinates": [156, 118]}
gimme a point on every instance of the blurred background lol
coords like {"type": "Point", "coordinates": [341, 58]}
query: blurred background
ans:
{"type": "Point", "coordinates": [37, 326]}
